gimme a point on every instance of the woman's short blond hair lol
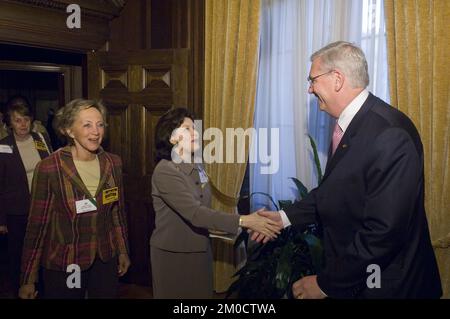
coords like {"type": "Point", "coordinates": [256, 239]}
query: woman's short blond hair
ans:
{"type": "Point", "coordinates": [66, 116]}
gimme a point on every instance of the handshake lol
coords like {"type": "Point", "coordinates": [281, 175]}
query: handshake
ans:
{"type": "Point", "coordinates": [263, 225]}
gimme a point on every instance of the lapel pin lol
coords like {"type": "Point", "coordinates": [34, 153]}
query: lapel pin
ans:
{"type": "Point", "coordinates": [344, 145]}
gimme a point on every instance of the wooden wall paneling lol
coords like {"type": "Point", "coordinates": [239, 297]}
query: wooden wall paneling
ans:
{"type": "Point", "coordinates": [135, 75]}
{"type": "Point", "coordinates": [152, 116]}
{"type": "Point", "coordinates": [196, 42]}
{"type": "Point", "coordinates": [168, 24]}
{"type": "Point", "coordinates": [138, 87]}
{"type": "Point", "coordinates": [157, 77]}
{"type": "Point", "coordinates": [43, 24]}
{"type": "Point", "coordinates": [76, 81]}
{"type": "Point", "coordinates": [148, 25]}
{"type": "Point", "coordinates": [180, 23]}
{"type": "Point", "coordinates": [131, 30]}
{"type": "Point", "coordinates": [117, 133]}
{"type": "Point", "coordinates": [187, 23]}
{"type": "Point", "coordinates": [161, 24]}
{"type": "Point", "coordinates": [183, 21]}
{"type": "Point", "coordinates": [137, 82]}
{"type": "Point", "coordinates": [114, 77]}
{"type": "Point", "coordinates": [69, 80]}
{"type": "Point", "coordinates": [93, 75]}
{"type": "Point", "coordinates": [61, 89]}
{"type": "Point", "coordinates": [139, 214]}
{"type": "Point", "coordinates": [181, 84]}
{"type": "Point", "coordinates": [104, 8]}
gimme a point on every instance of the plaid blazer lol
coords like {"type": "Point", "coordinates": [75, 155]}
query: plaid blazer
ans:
{"type": "Point", "coordinates": [56, 235]}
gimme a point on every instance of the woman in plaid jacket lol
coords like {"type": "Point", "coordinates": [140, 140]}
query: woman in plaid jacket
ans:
{"type": "Point", "coordinates": [77, 227]}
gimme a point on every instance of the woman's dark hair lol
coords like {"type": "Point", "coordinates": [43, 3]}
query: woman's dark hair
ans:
{"type": "Point", "coordinates": [164, 128]}
{"type": "Point", "coordinates": [18, 104]}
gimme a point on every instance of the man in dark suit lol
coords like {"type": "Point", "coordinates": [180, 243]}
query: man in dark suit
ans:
{"type": "Point", "coordinates": [370, 203]}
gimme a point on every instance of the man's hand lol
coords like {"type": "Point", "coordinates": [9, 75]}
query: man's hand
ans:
{"type": "Point", "coordinates": [27, 292]}
{"type": "Point", "coordinates": [123, 264]}
{"type": "Point", "coordinates": [265, 226]}
{"type": "Point", "coordinates": [273, 215]}
{"type": "Point", "coordinates": [307, 288]}
{"type": "Point", "coordinates": [3, 230]}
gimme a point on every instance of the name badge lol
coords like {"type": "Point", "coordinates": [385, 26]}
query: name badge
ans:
{"type": "Point", "coordinates": [203, 176]}
{"type": "Point", "coordinates": [40, 146]}
{"type": "Point", "coordinates": [85, 205]}
{"type": "Point", "coordinates": [6, 149]}
{"type": "Point", "coordinates": [110, 195]}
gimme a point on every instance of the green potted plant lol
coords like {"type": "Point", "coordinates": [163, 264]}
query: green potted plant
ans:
{"type": "Point", "coordinates": [272, 268]}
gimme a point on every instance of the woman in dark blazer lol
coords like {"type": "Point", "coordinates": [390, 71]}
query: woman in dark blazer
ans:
{"type": "Point", "coordinates": [77, 224]}
{"type": "Point", "coordinates": [20, 151]}
{"type": "Point", "coordinates": [180, 245]}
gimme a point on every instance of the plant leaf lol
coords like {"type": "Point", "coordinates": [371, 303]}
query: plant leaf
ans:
{"type": "Point", "coordinates": [316, 159]}
{"type": "Point", "coordinates": [284, 203]}
{"type": "Point", "coordinates": [267, 195]}
{"type": "Point", "coordinates": [284, 268]}
{"type": "Point", "coordinates": [303, 191]}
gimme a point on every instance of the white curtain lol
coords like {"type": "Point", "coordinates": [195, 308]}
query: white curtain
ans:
{"type": "Point", "coordinates": [291, 30]}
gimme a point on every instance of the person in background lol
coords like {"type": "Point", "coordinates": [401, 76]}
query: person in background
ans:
{"type": "Point", "coordinates": [3, 129]}
{"type": "Point", "coordinates": [19, 153]}
{"type": "Point", "coordinates": [77, 212]}
{"type": "Point", "coordinates": [181, 256]}
{"type": "Point", "coordinates": [54, 138]}
{"type": "Point", "coordinates": [38, 127]}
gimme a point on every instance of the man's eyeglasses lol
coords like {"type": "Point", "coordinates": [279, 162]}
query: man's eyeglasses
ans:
{"type": "Point", "coordinates": [313, 79]}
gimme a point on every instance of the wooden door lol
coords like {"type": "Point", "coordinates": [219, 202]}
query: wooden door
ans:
{"type": "Point", "coordinates": [137, 87]}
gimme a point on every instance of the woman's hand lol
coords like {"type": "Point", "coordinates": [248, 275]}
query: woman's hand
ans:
{"type": "Point", "coordinates": [124, 264]}
{"type": "Point", "coordinates": [262, 225]}
{"type": "Point", "coordinates": [27, 292]}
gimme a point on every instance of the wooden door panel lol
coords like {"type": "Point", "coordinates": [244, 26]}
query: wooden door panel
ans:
{"type": "Point", "coordinates": [117, 132]}
{"type": "Point", "coordinates": [137, 88]}
{"type": "Point", "coordinates": [151, 119]}
{"type": "Point", "coordinates": [114, 77]}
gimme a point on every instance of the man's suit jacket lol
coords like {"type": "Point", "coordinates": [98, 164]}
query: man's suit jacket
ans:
{"type": "Point", "coordinates": [370, 205]}
{"type": "Point", "coordinates": [56, 235]}
{"type": "Point", "coordinates": [182, 207]}
{"type": "Point", "coordinates": [14, 192]}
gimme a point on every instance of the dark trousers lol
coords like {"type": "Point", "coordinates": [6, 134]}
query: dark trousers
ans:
{"type": "Point", "coordinates": [17, 226]}
{"type": "Point", "coordinates": [100, 281]}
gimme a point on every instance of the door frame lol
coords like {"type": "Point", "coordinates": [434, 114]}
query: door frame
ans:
{"type": "Point", "coordinates": [66, 71]}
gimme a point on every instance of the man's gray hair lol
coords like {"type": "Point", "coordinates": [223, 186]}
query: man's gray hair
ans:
{"type": "Point", "coordinates": [347, 58]}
